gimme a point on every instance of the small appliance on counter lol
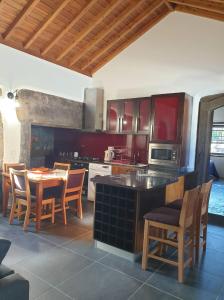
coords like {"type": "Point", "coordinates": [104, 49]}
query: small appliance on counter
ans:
{"type": "Point", "coordinates": [109, 154]}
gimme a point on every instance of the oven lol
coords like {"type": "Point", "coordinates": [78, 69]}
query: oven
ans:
{"type": "Point", "coordinates": [164, 154]}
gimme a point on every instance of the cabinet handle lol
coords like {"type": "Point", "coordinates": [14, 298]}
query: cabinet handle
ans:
{"type": "Point", "coordinates": [121, 124]}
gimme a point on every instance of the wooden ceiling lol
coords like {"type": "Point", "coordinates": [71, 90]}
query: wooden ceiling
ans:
{"type": "Point", "coordinates": [83, 35]}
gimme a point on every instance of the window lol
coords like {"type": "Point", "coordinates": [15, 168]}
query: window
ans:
{"type": "Point", "coordinates": [217, 141]}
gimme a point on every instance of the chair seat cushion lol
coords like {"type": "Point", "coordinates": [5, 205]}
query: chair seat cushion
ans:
{"type": "Point", "coordinates": [4, 271]}
{"type": "Point", "coordinates": [177, 204]}
{"type": "Point", "coordinates": [164, 215]}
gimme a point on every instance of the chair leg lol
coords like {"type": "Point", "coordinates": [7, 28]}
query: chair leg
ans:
{"type": "Point", "coordinates": [145, 246]}
{"type": "Point", "coordinates": [19, 210]}
{"type": "Point", "coordinates": [181, 256]}
{"type": "Point", "coordinates": [79, 207]}
{"type": "Point", "coordinates": [192, 236]}
{"type": "Point", "coordinates": [64, 213]}
{"type": "Point", "coordinates": [197, 239]}
{"type": "Point", "coordinates": [205, 233]}
{"type": "Point", "coordinates": [12, 213]}
{"type": "Point", "coordinates": [27, 218]}
{"type": "Point", "coordinates": [52, 211]}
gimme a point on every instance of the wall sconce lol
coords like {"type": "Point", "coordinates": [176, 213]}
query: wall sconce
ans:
{"type": "Point", "coordinates": [12, 95]}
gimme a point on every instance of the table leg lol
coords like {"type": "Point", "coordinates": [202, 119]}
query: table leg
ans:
{"type": "Point", "coordinates": [5, 194]}
{"type": "Point", "coordinates": [39, 198]}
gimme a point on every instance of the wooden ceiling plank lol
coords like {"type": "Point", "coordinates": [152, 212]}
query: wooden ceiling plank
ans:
{"type": "Point", "coordinates": [131, 40]}
{"type": "Point", "coordinates": [151, 8]}
{"type": "Point", "coordinates": [89, 28]}
{"type": "Point", "coordinates": [103, 34]}
{"type": "Point", "coordinates": [169, 5]}
{"type": "Point", "coordinates": [198, 4]}
{"type": "Point", "coordinates": [20, 17]}
{"type": "Point", "coordinates": [68, 27]}
{"type": "Point", "coordinates": [44, 25]}
{"type": "Point", "coordinates": [200, 13]}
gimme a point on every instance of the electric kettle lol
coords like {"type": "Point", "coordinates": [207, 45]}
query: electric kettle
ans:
{"type": "Point", "coordinates": [108, 155]}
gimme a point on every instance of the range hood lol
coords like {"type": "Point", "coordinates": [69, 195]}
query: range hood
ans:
{"type": "Point", "coordinates": [93, 109]}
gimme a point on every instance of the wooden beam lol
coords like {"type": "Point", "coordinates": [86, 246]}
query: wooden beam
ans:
{"type": "Point", "coordinates": [20, 17]}
{"type": "Point", "coordinates": [69, 26]}
{"type": "Point", "coordinates": [44, 25]}
{"type": "Point", "coordinates": [200, 12]}
{"type": "Point", "coordinates": [89, 28]}
{"type": "Point", "coordinates": [151, 8]}
{"type": "Point", "coordinates": [169, 5]}
{"type": "Point", "coordinates": [130, 41]}
{"type": "Point", "coordinates": [119, 19]}
{"type": "Point", "coordinates": [200, 5]}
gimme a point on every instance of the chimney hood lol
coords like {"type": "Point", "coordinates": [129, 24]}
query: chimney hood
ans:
{"type": "Point", "coordinates": [93, 109]}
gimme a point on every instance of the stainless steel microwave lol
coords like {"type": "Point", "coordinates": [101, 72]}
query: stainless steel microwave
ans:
{"type": "Point", "coordinates": [164, 154]}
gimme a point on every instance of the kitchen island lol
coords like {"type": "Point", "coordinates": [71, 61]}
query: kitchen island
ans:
{"type": "Point", "coordinates": [121, 202]}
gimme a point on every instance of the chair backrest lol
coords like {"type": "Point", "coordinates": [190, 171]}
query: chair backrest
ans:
{"type": "Point", "coordinates": [20, 184]}
{"type": "Point", "coordinates": [175, 190]}
{"type": "Point", "coordinates": [62, 166]}
{"type": "Point", "coordinates": [190, 203]}
{"type": "Point", "coordinates": [74, 182]}
{"type": "Point", "coordinates": [15, 166]}
{"type": "Point", "coordinates": [205, 194]}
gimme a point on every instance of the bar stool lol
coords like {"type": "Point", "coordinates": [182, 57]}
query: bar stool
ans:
{"type": "Point", "coordinates": [179, 222]}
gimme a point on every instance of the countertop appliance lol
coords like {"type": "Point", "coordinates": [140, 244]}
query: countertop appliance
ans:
{"type": "Point", "coordinates": [94, 170]}
{"type": "Point", "coordinates": [164, 155]}
{"type": "Point", "coordinates": [109, 154]}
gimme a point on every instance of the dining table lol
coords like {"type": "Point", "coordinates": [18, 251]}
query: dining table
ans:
{"type": "Point", "coordinates": [39, 180]}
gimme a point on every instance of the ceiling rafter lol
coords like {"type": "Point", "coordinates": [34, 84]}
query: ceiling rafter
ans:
{"type": "Point", "coordinates": [69, 26]}
{"type": "Point", "coordinates": [200, 5]}
{"type": "Point", "coordinates": [128, 42]}
{"type": "Point", "coordinates": [169, 5]}
{"type": "Point", "coordinates": [151, 8]}
{"type": "Point", "coordinates": [200, 12]}
{"type": "Point", "coordinates": [20, 17]}
{"type": "Point", "coordinates": [89, 28]}
{"type": "Point", "coordinates": [46, 22]}
{"type": "Point", "coordinates": [104, 33]}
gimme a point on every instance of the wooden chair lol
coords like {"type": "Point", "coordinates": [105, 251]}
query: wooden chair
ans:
{"type": "Point", "coordinates": [15, 166]}
{"type": "Point", "coordinates": [175, 191]}
{"type": "Point", "coordinates": [72, 191]}
{"type": "Point", "coordinates": [22, 197]}
{"type": "Point", "coordinates": [178, 222]}
{"type": "Point", "coordinates": [61, 166]}
{"type": "Point", "coordinates": [202, 218]}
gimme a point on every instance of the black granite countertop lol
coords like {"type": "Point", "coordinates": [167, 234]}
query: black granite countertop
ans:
{"type": "Point", "coordinates": [143, 179]}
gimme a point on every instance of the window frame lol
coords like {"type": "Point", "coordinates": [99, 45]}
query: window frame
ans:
{"type": "Point", "coordinates": [217, 124]}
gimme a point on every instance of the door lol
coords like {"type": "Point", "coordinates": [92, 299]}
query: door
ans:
{"type": "Point", "coordinates": [166, 116]}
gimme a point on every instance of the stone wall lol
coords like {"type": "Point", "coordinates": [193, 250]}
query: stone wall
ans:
{"type": "Point", "coordinates": [47, 110]}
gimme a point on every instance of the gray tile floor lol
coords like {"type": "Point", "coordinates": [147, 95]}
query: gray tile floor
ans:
{"type": "Point", "coordinates": [61, 263]}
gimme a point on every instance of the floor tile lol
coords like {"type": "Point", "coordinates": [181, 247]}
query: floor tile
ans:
{"type": "Point", "coordinates": [147, 292]}
{"type": "Point", "coordinates": [37, 286]}
{"type": "Point", "coordinates": [197, 284]}
{"type": "Point", "coordinates": [53, 294]}
{"type": "Point", "coordinates": [130, 268]}
{"type": "Point", "coordinates": [215, 242]}
{"type": "Point", "coordinates": [56, 265]}
{"type": "Point", "coordinates": [85, 245]}
{"type": "Point", "coordinates": [97, 282]}
{"type": "Point", "coordinates": [212, 262]}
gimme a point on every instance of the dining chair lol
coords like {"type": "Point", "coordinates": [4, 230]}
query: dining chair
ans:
{"type": "Point", "coordinates": [202, 218]}
{"type": "Point", "coordinates": [61, 166]}
{"type": "Point", "coordinates": [72, 191]}
{"type": "Point", "coordinates": [15, 166]}
{"type": "Point", "coordinates": [181, 223]}
{"type": "Point", "coordinates": [22, 197]}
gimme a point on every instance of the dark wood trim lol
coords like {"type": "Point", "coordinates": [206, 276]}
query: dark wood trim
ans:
{"type": "Point", "coordinates": [207, 106]}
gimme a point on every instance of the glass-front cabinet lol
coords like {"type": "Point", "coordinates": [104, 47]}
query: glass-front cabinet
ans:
{"type": "Point", "coordinates": [144, 115]}
{"type": "Point", "coordinates": [113, 116]}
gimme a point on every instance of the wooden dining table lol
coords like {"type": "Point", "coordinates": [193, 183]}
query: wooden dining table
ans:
{"type": "Point", "coordinates": [40, 181]}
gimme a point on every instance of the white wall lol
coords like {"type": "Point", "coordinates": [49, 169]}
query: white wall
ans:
{"type": "Point", "coordinates": [19, 70]}
{"type": "Point", "coordinates": [219, 161]}
{"type": "Point", "coordinates": [181, 53]}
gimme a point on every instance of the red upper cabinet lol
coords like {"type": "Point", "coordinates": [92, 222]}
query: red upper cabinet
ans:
{"type": "Point", "coordinates": [113, 116]}
{"type": "Point", "coordinates": [128, 116]}
{"type": "Point", "coordinates": [169, 112]}
{"type": "Point", "coordinates": [144, 115]}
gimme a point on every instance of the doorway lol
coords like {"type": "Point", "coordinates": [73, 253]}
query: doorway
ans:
{"type": "Point", "coordinates": [207, 106]}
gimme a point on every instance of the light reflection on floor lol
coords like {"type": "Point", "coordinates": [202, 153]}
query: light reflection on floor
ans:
{"type": "Point", "coordinates": [216, 201]}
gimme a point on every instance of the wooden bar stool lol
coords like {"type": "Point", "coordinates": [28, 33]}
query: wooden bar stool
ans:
{"type": "Point", "coordinates": [202, 218]}
{"type": "Point", "coordinates": [179, 222]}
{"type": "Point", "coordinates": [15, 166]}
{"type": "Point", "coordinates": [23, 198]}
{"type": "Point", "coordinates": [61, 166]}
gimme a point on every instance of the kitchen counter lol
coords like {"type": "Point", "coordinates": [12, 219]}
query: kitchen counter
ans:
{"type": "Point", "coordinates": [122, 201]}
